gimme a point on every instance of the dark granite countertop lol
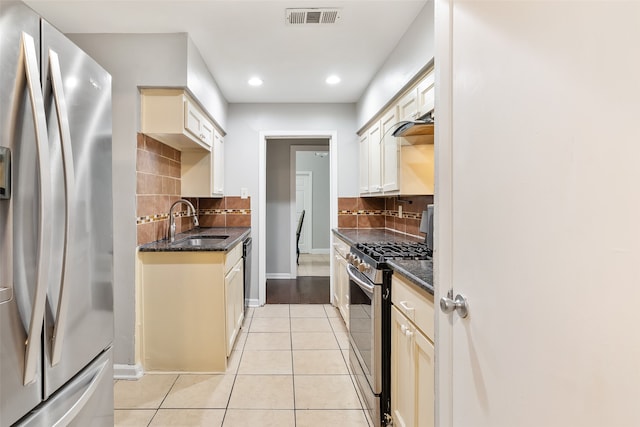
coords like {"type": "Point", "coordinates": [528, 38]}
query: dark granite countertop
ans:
{"type": "Point", "coordinates": [418, 272]}
{"type": "Point", "coordinates": [200, 239]}
{"type": "Point", "coordinates": [369, 235]}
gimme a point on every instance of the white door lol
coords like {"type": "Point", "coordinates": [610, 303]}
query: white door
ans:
{"type": "Point", "coordinates": [538, 213]}
{"type": "Point", "coordinates": [304, 193]}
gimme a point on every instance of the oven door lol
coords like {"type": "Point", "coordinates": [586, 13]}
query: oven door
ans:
{"type": "Point", "coordinates": [365, 311]}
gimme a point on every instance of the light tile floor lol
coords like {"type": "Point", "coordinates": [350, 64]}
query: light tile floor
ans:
{"type": "Point", "coordinates": [289, 368]}
{"type": "Point", "coordinates": [313, 265]}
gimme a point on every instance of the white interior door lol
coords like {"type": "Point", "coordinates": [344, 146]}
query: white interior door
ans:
{"type": "Point", "coordinates": [304, 195]}
{"type": "Point", "coordinates": [538, 212]}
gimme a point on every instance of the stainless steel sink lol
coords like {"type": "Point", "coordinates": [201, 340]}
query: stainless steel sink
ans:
{"type": "Point", "coordinates": [201, 240]}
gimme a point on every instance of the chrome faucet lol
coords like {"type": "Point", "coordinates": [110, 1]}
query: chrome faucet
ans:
{"type": "Point", "coordinates": [172, 220]}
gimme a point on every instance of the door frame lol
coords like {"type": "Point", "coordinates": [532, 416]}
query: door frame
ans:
{"type": "Point", "coordinates": [264, 136]}
{"type": "Point", "coordinates": [443, 211]}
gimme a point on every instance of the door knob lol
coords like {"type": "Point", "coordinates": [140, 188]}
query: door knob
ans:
{"type": "Point", "coordinates": [459, 304]}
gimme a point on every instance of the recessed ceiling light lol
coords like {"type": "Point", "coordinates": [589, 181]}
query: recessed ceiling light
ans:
{"type": "Point", "coordinates": [255, 81]}
{"type": "Point", "coordinates": [333, 80]}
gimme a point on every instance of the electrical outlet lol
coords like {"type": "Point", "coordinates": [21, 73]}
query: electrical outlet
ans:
{"type": "Point", "coordinates": [244, 193]}
{"type": "Point", "coordinates": [399, 211]}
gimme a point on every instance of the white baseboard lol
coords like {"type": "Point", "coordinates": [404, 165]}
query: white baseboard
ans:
{"type": "Point", "coordinates": [280, 276]}
{"type": "Point", "coordinates": [319, 251]}
{"type": "Point", "coordinates": [127, 372]}
{"type": "Point", "coordinates": [254, 302]}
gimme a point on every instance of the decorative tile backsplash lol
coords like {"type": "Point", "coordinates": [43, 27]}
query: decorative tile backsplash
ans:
{"type": "Point", "coordinates": [158, 186]}
{"type": "Point", "coordinates": [383, 212]}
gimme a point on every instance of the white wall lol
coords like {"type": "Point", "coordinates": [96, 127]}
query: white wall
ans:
{"type": "Point", "coordinates": [200, 82]}
{"type": "Point", "coordinates": [133, 60]}
{"type": "Point", "coordinates": [413, 52]}
{"type": "Point", "coordinates": [319, 166]}
{"type": "Point", "coordinates": [246, 121]}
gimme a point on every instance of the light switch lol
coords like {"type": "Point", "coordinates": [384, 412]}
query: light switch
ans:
{"type": "Point", "coordinates": [244, 193]}
{"type": "Point", "coordinates": [399, 211]}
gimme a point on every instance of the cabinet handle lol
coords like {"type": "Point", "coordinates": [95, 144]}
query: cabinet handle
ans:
{"type": "Point", "coordinates": [406, 331]}
{"type": "Point", "coordinates": [405, 306]}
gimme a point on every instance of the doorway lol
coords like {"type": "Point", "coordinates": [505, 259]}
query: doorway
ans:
{"type": "Point", "coordinates": [277, 242]}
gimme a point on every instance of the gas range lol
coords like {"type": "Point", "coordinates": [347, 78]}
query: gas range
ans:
{"type": "Point", "coordinates": [370, 258]}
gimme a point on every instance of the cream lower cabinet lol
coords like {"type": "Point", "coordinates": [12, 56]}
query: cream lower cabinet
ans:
{"type": "Point", "coordinates": [412, 357]}
{"type": "Point", "coordinates": [191, 309]}
{"type": "Point", "coordinates": [341, 278]}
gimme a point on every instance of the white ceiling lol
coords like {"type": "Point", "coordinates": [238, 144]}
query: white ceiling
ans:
{"type": "Point", "coordinates": [239, 39]}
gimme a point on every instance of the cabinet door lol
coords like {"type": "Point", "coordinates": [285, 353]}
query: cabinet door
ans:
{"type": "Point", "coordinates": [375, 156]}
{"type": "Point", "coordinates": [408, 106]}
{"type": "Point", "coordinates": [343, 277]}
{"type": "Point", "coordinates": [218, 164]}
{"type": "Point", "coordinates": [412, 374]}
{"type": "Point", "coordinates": [390, 149]}
{"type": "Point", "coordinates": [337, 281]}
{"type": "Point", "coordinates": [234, 313]}
{"type": "Point", "coordinates": [197, 124]}
{"type": "Point", "coordinates": [207, 131]}
{"type": "Point", "coordinates": [423, 352]}
{"type": "Point", "coordinates": [364, 163]}
{"type": "Point", "coordinates": [426, 95]}
{"type": "Point", "coordinates": [402, 372]}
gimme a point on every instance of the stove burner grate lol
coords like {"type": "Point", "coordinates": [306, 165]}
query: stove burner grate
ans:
{"type": "Point", "coordinates": [381, 251]}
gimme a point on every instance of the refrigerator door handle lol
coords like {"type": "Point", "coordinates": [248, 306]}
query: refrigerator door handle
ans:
{"type": "Point", "coordinates": [29, 68]}
{"type": "Point", "coordinates": [55, 75]}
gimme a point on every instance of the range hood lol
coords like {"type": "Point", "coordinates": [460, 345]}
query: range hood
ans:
{"type": "Point", "coordinates": [423, 126]}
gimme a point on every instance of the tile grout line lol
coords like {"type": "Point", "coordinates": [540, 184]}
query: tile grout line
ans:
{"type": "Point", "coordinates": [235, 376]}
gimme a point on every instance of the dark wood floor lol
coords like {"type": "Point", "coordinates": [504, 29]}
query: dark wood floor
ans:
{"type": "Point", "coordinates": [302, 290]}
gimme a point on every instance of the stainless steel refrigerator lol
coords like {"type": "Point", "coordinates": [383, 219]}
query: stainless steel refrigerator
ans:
{"type": "Point", "coordinates": [56, 243]}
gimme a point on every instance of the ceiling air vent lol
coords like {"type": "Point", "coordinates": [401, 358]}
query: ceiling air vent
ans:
{"type": "Point", "coordinates": [312, 16]}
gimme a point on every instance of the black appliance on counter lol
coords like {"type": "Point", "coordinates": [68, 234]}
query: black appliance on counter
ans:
{"type": "Point", "coordinates": [370, 319]}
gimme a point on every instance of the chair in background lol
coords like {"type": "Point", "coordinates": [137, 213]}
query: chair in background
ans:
{"type": "Point", "coordinates": [298, 232]}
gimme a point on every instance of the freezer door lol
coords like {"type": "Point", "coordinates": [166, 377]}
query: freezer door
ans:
{"type": "Point", "coordinates": [19, 216]}
{"type": "Point", "coordinates": [87, 401]}
{"type": "Point", "coordinates": [79, 317]}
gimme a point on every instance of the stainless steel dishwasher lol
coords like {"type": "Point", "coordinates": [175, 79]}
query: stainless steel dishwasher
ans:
{"type": "Point", "coordinates": [246, 255]}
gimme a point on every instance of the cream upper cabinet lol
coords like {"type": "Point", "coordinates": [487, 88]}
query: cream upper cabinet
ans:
{"type": "Point", "coordinates": [399, 165]}
{"type": "Point", "coordinates": [217, 152]}
{"type": "Point", "coordinates": [197, 123]}
{"type": "Point", "coordinates": [412, 355]}
{"type": "Point", "coordinates": [425, 94]}
{"type": "Point", "coordinates": [364, 163]}
{"type": "Point", "coordinates": [419, 100]}
{"type": "Point", "coordinates": [202, 172]}
{"type": "Point", "coordinates": [375, 159]}
{"type": "Point", "coordinates": [390, 152]}
{"type": "Point", "coordinates": [408, 106]}
{"type": "Point", "coordinates": [172, 117]}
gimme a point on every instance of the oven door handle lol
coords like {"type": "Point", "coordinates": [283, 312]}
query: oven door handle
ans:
{"type": "Point", "coordinates": [366, 287]}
